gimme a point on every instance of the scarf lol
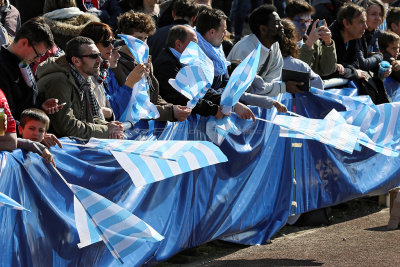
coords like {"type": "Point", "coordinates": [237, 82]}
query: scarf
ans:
{"type": "Point", "coordinates": [29, 78]}
{"type": "Point", "coordinates": [90, 107]}
{"type": "Point", "coordinates": [216, 54]}
{"type": "Point", "coordinates": [104, 66]}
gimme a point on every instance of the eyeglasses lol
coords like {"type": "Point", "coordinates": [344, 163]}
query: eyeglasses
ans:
{"type": "Point", "coordinates": [92, 56]}
{"type": "Point", "coordinates": [107, 43]}
{"type": "Point", "coordinates": [36, 52]}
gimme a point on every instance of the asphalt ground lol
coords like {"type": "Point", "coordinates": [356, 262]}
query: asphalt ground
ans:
{"type": "Point", "coordinates": [356, 236]}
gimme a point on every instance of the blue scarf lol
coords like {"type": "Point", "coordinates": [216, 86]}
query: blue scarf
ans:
{"type": "Point", "coordinates": [216, 54]}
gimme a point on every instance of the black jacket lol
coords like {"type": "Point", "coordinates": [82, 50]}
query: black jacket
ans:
{"type": "Point", "coordinates": [346, 55]}
{"type": "Point", "coordinates": [367, 51]}
{"type": "Point", "coordinates": [158, 41]}
{"type": "Point", "coordinates": [165, 68]}
{"type": "Point", "coordinates": [19, 95]}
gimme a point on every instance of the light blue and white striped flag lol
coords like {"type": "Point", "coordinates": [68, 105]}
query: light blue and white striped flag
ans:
{"type": "Point", "coordinates": [139, 106]}
{"type": "Point", "coordinates": [192, 83]}
{"type": "Point", "coordinates": [240, 80]}
{"type": "Point", "coordinates": [196, 77]}
{"type": "Point", "coordinates": [193, 55]}
{"type": "Point", "coordinates": [380, 126]}
{"type": "Point", "coordinates": [120, 230]}
{"type": "Point", "coordinates": [350, 102]}
{"type": "Point", "coordinates": [217, 130]}
{"type": "Point", "coordinates": [364, 115]}
{"type": "Point", "coordinates": [340, 135]}
{"type": "Point", "coordinates": [6, 201]}
{"type": "Point", "coordinates": [151, 161]}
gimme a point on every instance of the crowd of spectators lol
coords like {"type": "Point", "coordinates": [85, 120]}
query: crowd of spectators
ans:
{"type": "Point", "coordinates": [65, 58]}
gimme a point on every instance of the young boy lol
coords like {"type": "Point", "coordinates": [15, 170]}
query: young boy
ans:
{"type": "Point", "coordinates": [34, 124]}
{"type": "Point", "coordinates": [389, 43]}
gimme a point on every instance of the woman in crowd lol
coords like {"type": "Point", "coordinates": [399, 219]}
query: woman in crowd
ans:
{"type": "Point", "coordinates": [290, 53]}
{"type": "Point", "coordinates": [367, 49]}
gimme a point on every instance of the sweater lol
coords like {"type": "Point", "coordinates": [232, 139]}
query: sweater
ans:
{"type": "Point", "coordinates": [273, 70]}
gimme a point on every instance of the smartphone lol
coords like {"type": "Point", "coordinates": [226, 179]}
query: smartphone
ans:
{"type": "Point", "coordinates": [320, 23]}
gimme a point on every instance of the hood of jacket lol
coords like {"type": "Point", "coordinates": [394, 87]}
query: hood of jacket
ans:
{"type": "Point", "coordinates": [53, 65]}
{"type": "Point", "coordinates": [72, 26]}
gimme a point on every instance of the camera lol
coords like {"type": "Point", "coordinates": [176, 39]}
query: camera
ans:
{"type": "Point", "coordinates": [320, 23]}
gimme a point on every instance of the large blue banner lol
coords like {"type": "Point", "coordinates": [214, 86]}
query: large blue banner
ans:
{"type": "Point", "coordinates": [245, 200]}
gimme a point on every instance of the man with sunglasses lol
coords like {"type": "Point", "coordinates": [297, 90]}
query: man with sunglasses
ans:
{"type": "Point", "coordinates": [316, 49]}
{"type": "Point", "coordinates": [68, 78]}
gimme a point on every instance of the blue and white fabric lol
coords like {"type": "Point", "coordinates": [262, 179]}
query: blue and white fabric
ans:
{"type": "Point", "coordinates": [145, 170]}
{"type": "Point", "coordinates": [350, 102]}
{"type": "Point", "coordinates": [196, 77]}
{"type": "Point", "coordinates": [217, 130]}
{"type": "Point", "coordinates": [381, 126]}
{"type": "Point", "coordinates": [139, 106]}
{"type": "Point", "coordinates": [151, 161]}
{"type": "Point", "coordinates": [340, 135]}
{"type": "Point", "coordinates": [6, 201]}
{"type": "Point", "coordinates": [120, 230]}
{"type": "Point", "coordinates": [241, 78]}
{"type": "Point", "coordinates": [216, 54]}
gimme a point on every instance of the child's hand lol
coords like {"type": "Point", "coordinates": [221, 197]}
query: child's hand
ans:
{"type": "Point", "coordinates": [280, 107]}
{"type": "Point", "coordinates": [50, 140]}
{"type": "Point", "coordinates": [395, 65]}
{"type": "Point", "coordinates": [48, 157]}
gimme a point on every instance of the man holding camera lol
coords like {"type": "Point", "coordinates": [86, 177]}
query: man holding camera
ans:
{"type": "Point", "coordinates": [316, 49]}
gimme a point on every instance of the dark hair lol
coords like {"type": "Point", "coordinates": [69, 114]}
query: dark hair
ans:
{"type": "Point", "coordinates": [209, 19]}
{"type": "Point", "coordinates": [288, 44]}
{"type": "Point", "coordinates": [51, 5]}
{"type": "Point", "coordinates": [393, 16]}
{"type": "Point", "coordinates": [36, 31]}
{"type": "Point", "coordinates": [130, 22]}
{"type": "Point", "coordinates": [298, 7]}
{"type": "Point", "coordinates": [368, 3]}
{"type": "Point", "coordinates": [348, 12]}
{"type": "Point", "coordinates": [387, 37]}
{"type": "Point", "coordinates": [73, 48]}
{"type": "Point", "coordinates": [34, 114]}
{"type": "Point", "coordinates": [260, 16]}
{"type": "Point", "coordinates": [178, 32]}
{"type": "Point", "coordinates": [97, 31]}
{"type": "Point", "coordinates": [185, 8]}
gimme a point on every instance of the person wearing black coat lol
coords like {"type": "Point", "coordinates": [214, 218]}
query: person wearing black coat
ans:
{"type": "Point", "coordinates": [167, 66]}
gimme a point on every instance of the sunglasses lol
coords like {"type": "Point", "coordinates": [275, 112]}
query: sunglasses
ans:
{"type": "Point", "coordinates": [92, 56]}
{"type": "Point", "coordinates": [36, 52]}
{"type": "Point", "coordinates": [107, 43]}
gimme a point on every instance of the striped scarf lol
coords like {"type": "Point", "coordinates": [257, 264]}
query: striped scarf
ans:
{"type": "Point", "coordinates": [90, 106]}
